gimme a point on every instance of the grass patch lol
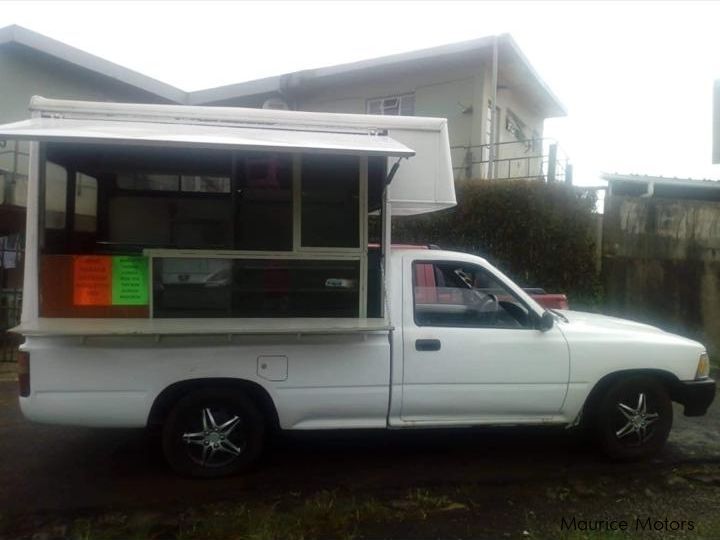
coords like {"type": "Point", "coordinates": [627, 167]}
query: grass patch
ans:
{"type": "Point", "coordinates": [325, 514]}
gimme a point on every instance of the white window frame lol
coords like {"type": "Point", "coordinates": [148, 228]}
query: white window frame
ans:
{"type": "Point", "coordinates": [298, 252]}
{"type": "Point", "coordinates": [383, 107]}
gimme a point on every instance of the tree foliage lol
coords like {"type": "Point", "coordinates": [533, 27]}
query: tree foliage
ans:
{"type": "Point", "coordinates": [540, 234]}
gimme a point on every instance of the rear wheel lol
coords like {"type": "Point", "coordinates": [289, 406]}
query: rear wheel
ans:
{"type": "Point", "coordinates": [634, 418]}
{"type": "Point", "coordinates": [213, 432]}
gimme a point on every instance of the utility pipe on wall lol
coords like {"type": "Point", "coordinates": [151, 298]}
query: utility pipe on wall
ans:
{"type": "Point", "coordinates": [493, 112]}
{"type": "Point", "coordinates": [649, 190]}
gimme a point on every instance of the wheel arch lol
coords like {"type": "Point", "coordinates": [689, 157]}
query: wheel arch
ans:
{"type": "Point", "coordinates": [667, 378]}
{"type": "Point", "coordinates": [166, 399]}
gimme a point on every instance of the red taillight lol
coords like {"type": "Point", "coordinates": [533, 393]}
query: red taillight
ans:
{"type": "Point", "coordinates": [23, 361]}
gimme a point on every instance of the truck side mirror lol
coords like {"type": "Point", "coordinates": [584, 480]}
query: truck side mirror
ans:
{"type": "Point", "coordinates": [545, 322]}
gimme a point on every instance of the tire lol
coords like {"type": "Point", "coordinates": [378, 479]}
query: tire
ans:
{"type": "Point", "coordinates": [631, 427]}
{"type": "Point", "coordinates": [227, 440]}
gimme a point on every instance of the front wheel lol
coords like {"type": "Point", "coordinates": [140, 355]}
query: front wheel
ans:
{"type": "Point", "coordinates": [634, 418]}
{"type": "Point", "coordinates": [213, 432]}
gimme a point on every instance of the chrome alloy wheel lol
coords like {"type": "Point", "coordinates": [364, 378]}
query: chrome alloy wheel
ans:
{"type": "Point", "coordinates": [217, 442]}
{"type": "Point", "coordinates": [638, 421]}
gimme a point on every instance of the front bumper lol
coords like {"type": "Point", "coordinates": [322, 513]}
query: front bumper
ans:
{"type": "Point", "coordinates": [695, 395]}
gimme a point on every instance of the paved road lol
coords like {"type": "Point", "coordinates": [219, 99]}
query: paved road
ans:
{"type": "Point", "coordinates": [66, 470]}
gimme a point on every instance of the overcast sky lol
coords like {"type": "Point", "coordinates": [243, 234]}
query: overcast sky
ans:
{"type": "Point", "coordinates": [636, 77]}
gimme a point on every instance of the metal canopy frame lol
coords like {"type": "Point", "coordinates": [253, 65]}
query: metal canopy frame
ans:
{"type": "Point", "coordinates": [298, 252]}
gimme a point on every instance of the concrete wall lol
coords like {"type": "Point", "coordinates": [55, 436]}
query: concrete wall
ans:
{"type": "Point", "coordinates": [517, 158]}
{"type": "Point", "coordinates": [661, 264]}
{"type": "Point", "coordinates": [445, 93]}
{"type": "Point", "coordinates": [24, 73]}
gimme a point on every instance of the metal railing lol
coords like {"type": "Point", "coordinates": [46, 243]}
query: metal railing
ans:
{"type": "Point", "coordinates": [11, 157]}
{"type": "Point", "coordinates": [10, 309]}
{"type": "Point", "coordinates": [13, 167]}
{"type": "Point", "coordinates": [11, 262]}
{"type": "Point", "coordinates": [539, 159]}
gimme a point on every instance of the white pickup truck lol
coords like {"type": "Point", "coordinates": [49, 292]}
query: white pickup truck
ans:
{"type": "Point", "coordinates": [220, 287]}
{"type": "Point", "coordinates": [474, 350]}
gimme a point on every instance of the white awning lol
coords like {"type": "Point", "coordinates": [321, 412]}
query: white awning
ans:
{"type": "Point", "coordinates": [209, 136]}
{"type": "Point", "coordinates": [424, 183]}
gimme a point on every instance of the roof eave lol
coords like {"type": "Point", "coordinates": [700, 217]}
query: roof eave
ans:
{"type": "Point", "coordinates": [557, 108]}
{"type": "Point", "coordinates": [275, 83]}
{"type": "Point", "coordinates": [218, 94]}
{"type": "Point", "coordinates": [80, 58]}
{"type": "Point", "coordinates": [553, 106]}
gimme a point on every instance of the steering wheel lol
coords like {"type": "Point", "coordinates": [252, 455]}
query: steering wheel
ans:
{"type": "Point", "coordinates": [487, 305]}
{"type": "Point", "coordinates": [488, 300]}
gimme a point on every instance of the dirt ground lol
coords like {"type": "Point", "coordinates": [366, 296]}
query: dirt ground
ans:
{"type": "Point", "coordinates": [60, 482]}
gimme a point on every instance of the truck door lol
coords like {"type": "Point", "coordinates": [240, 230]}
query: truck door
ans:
{"type": "Point", "coordinates": [471, 353]}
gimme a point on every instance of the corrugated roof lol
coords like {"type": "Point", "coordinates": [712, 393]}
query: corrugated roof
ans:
{"type": "Point", "coordinates": [647, 179]}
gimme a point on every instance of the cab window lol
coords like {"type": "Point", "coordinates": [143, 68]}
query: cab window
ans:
{"type": "Point", "coordinates": [464, 295]}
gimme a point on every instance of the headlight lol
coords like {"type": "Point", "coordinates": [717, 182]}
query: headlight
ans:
{"type": "Point", "coordinates": [703, 369]}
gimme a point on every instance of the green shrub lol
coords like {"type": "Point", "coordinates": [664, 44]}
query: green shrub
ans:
{"type": "Point", "coordinates": [542, 235]}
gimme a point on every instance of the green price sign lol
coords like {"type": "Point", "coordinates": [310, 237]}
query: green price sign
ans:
{"type": "Point", "coordinates": [130, 281]}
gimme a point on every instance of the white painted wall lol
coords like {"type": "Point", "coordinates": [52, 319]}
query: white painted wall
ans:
{"type": "Point", "coordinates": [455, 93]}
{"type": "Point", "coordinates": [458, 93]}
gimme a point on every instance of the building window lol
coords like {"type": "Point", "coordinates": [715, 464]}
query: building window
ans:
{"type": "Point", "coordinates": [515, 126]}
{"type": "Point", "coordinates": [396, 105]}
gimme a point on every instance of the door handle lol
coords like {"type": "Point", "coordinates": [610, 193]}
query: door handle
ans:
{"type": "Point", "coordinates": [427, 344]}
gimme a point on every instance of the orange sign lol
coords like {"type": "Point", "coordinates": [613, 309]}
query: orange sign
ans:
{"type": "Point", "coordinates": [92, 280]}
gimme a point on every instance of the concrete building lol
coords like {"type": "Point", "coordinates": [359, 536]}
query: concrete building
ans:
{"type": "Point", "coordinates": [460, 82]}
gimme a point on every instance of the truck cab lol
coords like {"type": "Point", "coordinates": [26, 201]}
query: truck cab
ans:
{"type": "Point", "coordinates": [467, 333]}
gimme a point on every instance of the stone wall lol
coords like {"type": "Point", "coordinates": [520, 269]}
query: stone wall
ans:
{"type": "Point", "coordinates": [661, 264]}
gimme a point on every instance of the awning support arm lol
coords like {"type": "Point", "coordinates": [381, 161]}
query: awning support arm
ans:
{"type": "Point", "coordinates": [392, 172]}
